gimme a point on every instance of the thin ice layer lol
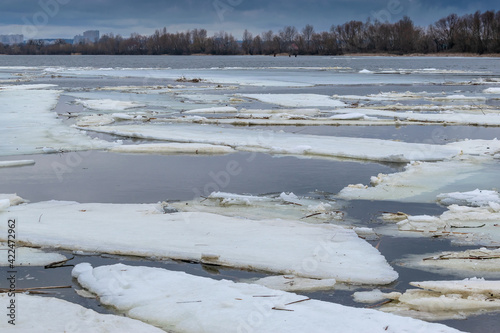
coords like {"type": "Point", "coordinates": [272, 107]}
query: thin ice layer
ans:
{"type": "Point", "coordinates": [280, 246]}
{"type": "Point", "coordinates": [186, 303]}
{"type": "Point", "coordinates": [287, 143]}
{"type": "Point", "coordinates": [419, 182]}
{"type": "Point", "coordinates": [173, 148]}
{"type": "Point", "coordinates": [28, 125]}
{"type": "Point", "coordinates": [283, 206]}
{"type": "Point", "coordinates": [26, 256]}
{"type": "Point", "coordinates": [108, 104]}
{"type": "Point", "coordinates": [48, 314]}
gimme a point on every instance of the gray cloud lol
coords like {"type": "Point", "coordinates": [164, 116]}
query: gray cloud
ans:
{"type": "Point", "coordinates": [64, 18]}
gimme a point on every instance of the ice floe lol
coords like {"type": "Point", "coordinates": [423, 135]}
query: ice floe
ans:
{"type": "Point", "coordinates": [28, 125]}
{"type": "Point", "coordinates": [293, 283]}
{"type": "Point", "coordinates": [320, 251]}
{"type": "Point", "coordinates": [173, 148]}
{"type": "Point", "coordinates": [419, 182]}
{"type": "Point", "coordinates": [108, 104]}
{"type": "Point", "coordinates": [8, 164]}
{"type": "Point", "coordinates": [287, 143]}
{"type": "Point", "coordinates": [181, 302]}
{"type": "Point", "coordinates": [216, 109]}
{"type": "Point", "coordinates": [48, 314]}
{"type": "Point", "coordinates": [442, 300]}
{"type": "Point", "coordinates": [448, 118]}
{"type": "Point", "coordinates": [296, 100]}
{"type": "Point", "coordinates": [482, 262]}
{"type": "Point", "coordinates": [476, 198]}
{"type": "Point", "coordinates": [492, 90]}
{"type": "Point", "coordinates": [469, 225]}
{"type": "Point", "coordinates": [26, 256]}
{"type": "Point", "coordinates": [282, 206]}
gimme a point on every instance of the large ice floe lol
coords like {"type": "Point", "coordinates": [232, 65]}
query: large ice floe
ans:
{"type": "Point", "coordinates": [321, 251]}
{"type": "Point", "coordinates": [28, 125]}
{"type": "Point", "coordinates": [47, 314]}
{"type": "Point", "coordinates": [287, 143]}
{"type": "Point", "coordinates": [441, 300]}
{"type": "Point", "coordinates": [176, 301]}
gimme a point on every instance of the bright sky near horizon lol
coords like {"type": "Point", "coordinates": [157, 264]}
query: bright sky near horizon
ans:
{"type": "Point", "coordinates": [67, 18]}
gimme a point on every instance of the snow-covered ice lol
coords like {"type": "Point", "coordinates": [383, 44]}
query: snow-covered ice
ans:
{"type": "Point", "coordinates": [181, 302]}
{"type": "Point", "coordinates": [321, 251]}
{"type": "Point", "coordinates": [48, 314]}
{"type": "Point", "coordinates": [476, 198]}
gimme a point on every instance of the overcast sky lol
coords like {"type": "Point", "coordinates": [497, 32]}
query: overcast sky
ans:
{"type": "Point", "coordinates": [66, 18]}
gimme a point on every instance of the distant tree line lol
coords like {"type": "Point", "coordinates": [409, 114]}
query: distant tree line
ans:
{"type": "Point", "coordinates": [473, 33]}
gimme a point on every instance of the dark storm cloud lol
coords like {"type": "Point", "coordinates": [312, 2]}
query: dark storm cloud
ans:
{"type": "Point", "coordinates": [65, 17]}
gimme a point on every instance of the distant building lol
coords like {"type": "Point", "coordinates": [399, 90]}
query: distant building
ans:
{"type": "Point", "coordinates": [11, 39]}
{"type": "Point", "coordinates": [90, 36]}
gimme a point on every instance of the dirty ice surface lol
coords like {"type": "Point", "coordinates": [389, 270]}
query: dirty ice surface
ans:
{"type": "Point", "coordinates": [441, 300]}
{"type": "Point", "coordinates": [181, 302]}
{"type": "Point", "coordinates": [48, 314]}
{"type": "Point", "coordinates": [321, 251]}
